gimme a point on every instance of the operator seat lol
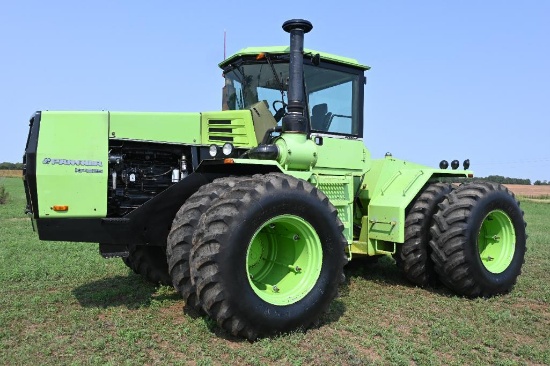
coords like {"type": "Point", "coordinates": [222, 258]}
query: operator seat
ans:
{"type": "Point", "coordinates": [320, 117]}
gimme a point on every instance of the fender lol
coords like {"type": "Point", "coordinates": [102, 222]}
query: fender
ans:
{"type": "Point", "coordinates": [389, 188]}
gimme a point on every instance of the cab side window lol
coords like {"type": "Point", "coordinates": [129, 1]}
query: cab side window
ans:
{"type": "Point", "coordinates": [332, 110]}
{"type": "Point", "coordinates": [334, 100]}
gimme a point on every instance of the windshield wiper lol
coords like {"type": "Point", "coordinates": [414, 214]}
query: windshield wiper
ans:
{"type": "Point", "coordinates": [281, 85]}
{"type": "Point", "coordinates": [281, 111]}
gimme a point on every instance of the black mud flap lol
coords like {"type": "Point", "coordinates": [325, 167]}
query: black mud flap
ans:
{"type": "Point", "coordinates": [113, 250]}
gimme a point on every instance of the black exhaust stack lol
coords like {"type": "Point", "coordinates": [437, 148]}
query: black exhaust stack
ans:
{"type": "Point", "coordinates": [294, 120]}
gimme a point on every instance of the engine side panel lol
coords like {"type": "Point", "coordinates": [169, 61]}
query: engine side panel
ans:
{"type": "Point", "coordinates": [71, 164]}
{"type": "Point", "coordinates": [183, 128]}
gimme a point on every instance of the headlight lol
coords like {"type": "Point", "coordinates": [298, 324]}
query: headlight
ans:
{"type": "Point", "coordinates": [227, 148]}
{"type": "Point", "coordinates": [213, 151]}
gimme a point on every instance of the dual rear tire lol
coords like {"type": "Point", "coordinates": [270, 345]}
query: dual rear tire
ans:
{"type": "Point", "coordinates": [471, 238]}
{"type": "Point", "coordinates": [479, 240]}
{"type": "Point", "coordinates": [413, 256]}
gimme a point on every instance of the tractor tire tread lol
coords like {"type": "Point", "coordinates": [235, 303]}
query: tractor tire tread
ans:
{"type": "Point", "coordinates": [449, 240]}
{"type": "Point", "coordinates": [413, 256]}
{"type": "Point", "coordinates": [148, 262]}
{"type": "Point", "coordinates": [179, 241]}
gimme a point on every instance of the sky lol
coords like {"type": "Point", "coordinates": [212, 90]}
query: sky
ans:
{"type": "Point", "coordinates": [449, 79]}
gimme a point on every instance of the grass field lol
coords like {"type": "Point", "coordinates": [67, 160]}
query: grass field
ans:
{"type": "Point", "coordinates": [61, 303]}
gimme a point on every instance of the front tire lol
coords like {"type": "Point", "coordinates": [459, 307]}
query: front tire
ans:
{"type": "Point", "coordinates": [268, 257]}
{"type": "Point", "coordinates": [479, 240]}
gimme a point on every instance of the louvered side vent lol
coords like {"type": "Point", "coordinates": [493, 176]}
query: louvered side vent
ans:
{"type": "Point", "coordinates": [221, 131]}
{"type": "Point", "coordinates": [339, 189]}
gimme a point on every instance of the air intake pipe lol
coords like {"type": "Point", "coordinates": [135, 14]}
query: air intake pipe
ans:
{"type": "Point", "coordinates": [293, 150]}
{"type": "Point", "coordinates": [294, 120]}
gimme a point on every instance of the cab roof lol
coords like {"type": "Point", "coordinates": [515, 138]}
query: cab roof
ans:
{"type": "Point", "coordinates": [253, 51]}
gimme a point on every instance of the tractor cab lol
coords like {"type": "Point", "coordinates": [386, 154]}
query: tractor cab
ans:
{"type": "Point", "coordinates": [333, 87]}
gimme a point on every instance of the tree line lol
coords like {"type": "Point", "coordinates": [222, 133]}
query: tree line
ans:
{"type": "Point", "coordinates": [11, 166]}
{"type": "Point", "coordinates": [505, 180]}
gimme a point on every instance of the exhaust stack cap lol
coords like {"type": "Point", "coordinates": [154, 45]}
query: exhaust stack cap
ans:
{"type": "Point", "coordinates": [291, 24]}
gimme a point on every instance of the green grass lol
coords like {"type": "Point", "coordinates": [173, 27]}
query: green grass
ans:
{"type": "Point", "coordinates": [61, 303]}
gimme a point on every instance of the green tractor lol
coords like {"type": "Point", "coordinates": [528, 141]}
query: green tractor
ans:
{"type": "Point", "coordinates": [252, 212]}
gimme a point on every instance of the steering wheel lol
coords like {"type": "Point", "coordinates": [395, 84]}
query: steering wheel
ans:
{"type": "Point", "coordinates": [279, 113]}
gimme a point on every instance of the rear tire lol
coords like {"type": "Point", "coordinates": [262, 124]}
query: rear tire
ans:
{"type": "Point", "coordinates": [268, 257]}
{"type": "Point", "coordinates": [148, 262]}
{"type": "Point", "coordinates": [413, 256]}
{"type": "Point", "coordinates": [479, 240]}
{"type": "Point", "coordinates": [180, 242]}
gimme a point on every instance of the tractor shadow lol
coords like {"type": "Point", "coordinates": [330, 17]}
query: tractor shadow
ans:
{"type": "Point", "coordinates": [130, 291]}
{"type": "Point", "coordinates": [383, 270]}
{"type": "Point", "coordinates": [376, 269]}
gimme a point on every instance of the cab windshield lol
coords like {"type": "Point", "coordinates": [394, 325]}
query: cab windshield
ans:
{"type": "Point", "coordinates": [333, 96]}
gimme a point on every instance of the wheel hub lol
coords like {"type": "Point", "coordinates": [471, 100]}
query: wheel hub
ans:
{"type": "Point", "coordinates": [496, 241]}
{"type": "Point", "coordinates": [284, 260]}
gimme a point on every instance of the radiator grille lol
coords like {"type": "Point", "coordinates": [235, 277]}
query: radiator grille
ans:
{"type": "Point", "coordinates": [221, 131]}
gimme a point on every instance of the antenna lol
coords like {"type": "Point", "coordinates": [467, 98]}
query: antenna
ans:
{"type": "Point", "coordinates": [224, 39]}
